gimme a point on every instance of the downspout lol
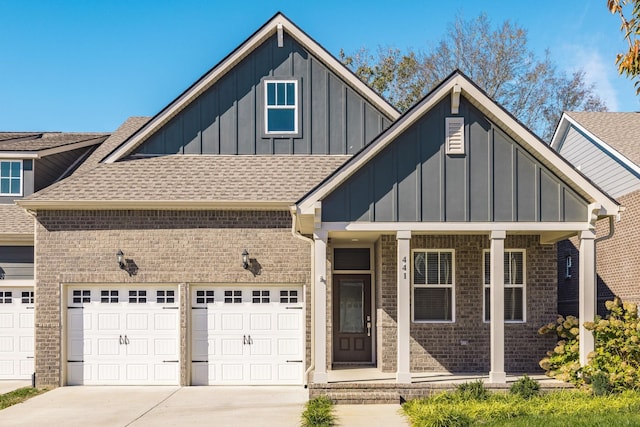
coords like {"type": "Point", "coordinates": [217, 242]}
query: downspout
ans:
{"type": "Point", "coordinates": [312, 365]}
{"type": "Point", "coordinates": [609, 234]}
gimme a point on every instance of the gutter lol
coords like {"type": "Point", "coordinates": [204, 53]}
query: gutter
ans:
{"type": "Point", "coordinates": [312, 365]}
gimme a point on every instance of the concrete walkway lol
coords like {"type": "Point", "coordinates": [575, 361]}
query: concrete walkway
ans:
{"type": "Point", "coordinates": [9, 385]}
{"type": "Point", "coordinates": [370, 416]}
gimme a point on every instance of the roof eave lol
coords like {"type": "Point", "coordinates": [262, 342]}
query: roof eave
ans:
{"type": "Point", "coordinates": [35, 205]}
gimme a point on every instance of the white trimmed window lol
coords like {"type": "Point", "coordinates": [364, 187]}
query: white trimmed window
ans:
{"type": "Point", "coordinates": [514, 285]}
{"type": "Point", "coordinates": [281, 106]}
{"type": "Point", "coordinates": [433, 286]}
{"type": "Point", "coordinates": [10, 177]}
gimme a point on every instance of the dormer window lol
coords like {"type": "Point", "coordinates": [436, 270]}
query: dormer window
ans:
{"type": "Point", "coordinates": [281, 106]}
{"type": "Point", "coordinates": [10, 177]}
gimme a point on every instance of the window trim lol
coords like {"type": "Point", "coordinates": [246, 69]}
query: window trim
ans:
{"type": "Point", "coordinates": [21, 192]}
{"type": "Point", "coordinates": [452, 286]}
{"type": "Point", "coordinates": [523, 286]}
{"type": "Point", "coordinates": [296, 107]}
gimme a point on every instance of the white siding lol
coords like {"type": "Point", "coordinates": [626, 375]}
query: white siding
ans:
{"type": "Point", "coordinates": [604, 170]}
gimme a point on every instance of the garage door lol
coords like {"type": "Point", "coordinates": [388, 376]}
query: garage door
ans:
{"type": "Point", "coordinates": [16, 333]}
{"type": "Point", "coordinates": [123, 335]}
{"type": "Point", "coordinates": [247, 335]}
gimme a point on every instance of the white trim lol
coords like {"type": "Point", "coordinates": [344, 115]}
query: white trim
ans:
{"type": "Point", "coordinates": [451, 286]}
{"type": "Point", "coordinates": [33, 154]}
{"type": "Point", "coordinates": [486, 286]}
{"type": "Point", "coordinates": [267, 107]}
{"type": "Point", "coordinates": [457, 227]}
{"type": "Point", "coordinates": [10, 177]}
{"type": "Point", "coordinates": [17, 283]}
{"type": "Point", "coordinates": [236, 56]}
{"type": "Point", "coordinates": [559, 139]}
{"type": "Point", "coordinates": [502, 119]}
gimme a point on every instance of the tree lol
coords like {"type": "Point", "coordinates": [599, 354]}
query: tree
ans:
{"type": "Point", "coordinates": [629, 62]}
{"type": "Point", "coordinates": [497, 59]}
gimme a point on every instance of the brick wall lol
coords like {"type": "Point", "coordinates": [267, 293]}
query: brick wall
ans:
{"type": "Point", "coordinates": [177, 247]}
{"type": "Point", "coordinates": [617, 261]}
{"type": "Point", "coordinates": [437, 346]}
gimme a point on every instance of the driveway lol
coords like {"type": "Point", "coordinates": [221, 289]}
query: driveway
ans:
{"type": "Point", "coordinates": [139, 406]}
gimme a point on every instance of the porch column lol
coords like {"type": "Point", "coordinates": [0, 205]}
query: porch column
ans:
{"type": "Point", "coordinates": [587, 292]}
{"type": "Point", "coordinates": [320, 306]}
{"type": "Point", "coordinates": [496, 297]}
{"type": "Point", "coordinates": [403, 373]}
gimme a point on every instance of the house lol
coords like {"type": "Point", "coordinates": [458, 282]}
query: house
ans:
{"type": "Point", "coordinates": [279, 220]}
{"type": "Point", "coordinates": [605, 146]}
{"type": "Point", "coordinates": [29, 162]}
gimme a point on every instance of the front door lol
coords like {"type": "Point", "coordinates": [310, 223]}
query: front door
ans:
{"type": "Point", "coordinates": [352, 322]}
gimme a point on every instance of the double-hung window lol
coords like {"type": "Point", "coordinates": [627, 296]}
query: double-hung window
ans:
{"type": "Point", "coordinates": [281, 106]}
{"type": "Point", "coordinates": [514, 285]}
{"type": "Point", "coordinates": [10, 177]}
{"type": "Point", "coordinates": [433, 286]}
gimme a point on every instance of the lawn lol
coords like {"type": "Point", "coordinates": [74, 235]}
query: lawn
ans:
{"type": "Point", "coordinates": [560, 408]}
{"type": "Point", "coordinates": [18, 396]}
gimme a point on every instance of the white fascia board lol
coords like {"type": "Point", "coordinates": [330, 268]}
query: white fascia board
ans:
{"type": "Point", "coordinates": [267, 30]}
{"type": "Point", "coordinates": [17, 283]}
{"type": "Point", "coordinates": [458, 227]}
{"type": "Point", "coordinates": [155, 204]}
{"type": "Point", "coordinates": [559, 134]}
{"type": "Point", "coordinates": [32, 154]}
{"type": "Point", "coordinates": [19, 155]}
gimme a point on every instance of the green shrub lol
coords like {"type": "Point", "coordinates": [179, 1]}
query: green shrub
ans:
{"type": "Point", "coordinates": [525, 387]}
{"type": "Point", "coordinates": [318, 413]}
{"type": "Point", "coordinates": [474, 390]}
{"type": "Point", "coordinates": [600, 384]}
{"type": "Point", "coordinates": [563, 362]}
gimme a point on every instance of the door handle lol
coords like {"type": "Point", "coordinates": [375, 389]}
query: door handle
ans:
{"type": "Point", "coordinates": [249, 340]}
{"type": "Point", "coordinates": [121, 340]}
{"type": "Point", "coordinates": [126, 340]}
{"type": "Point", "coordinates": [244, 340]}
{"type": "Point", "coordinates": [368, 326]}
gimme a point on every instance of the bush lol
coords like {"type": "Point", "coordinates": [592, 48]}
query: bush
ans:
{"type": "Point", "coordinates": [474, 390]}
{"type": "Point", "coordinates": [318, 413]}
{"type": "Point", "coordinates": [525, 387]}
{"type": "Point", "coordinates": [614, 365]}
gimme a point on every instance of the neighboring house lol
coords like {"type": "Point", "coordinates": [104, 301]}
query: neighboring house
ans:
{"type": "Point", "coordinates": [29, 162]}
{"type": "Point", "coordinates": [279, 220]}
{"type": "Point", "coordinates": [606, 148]}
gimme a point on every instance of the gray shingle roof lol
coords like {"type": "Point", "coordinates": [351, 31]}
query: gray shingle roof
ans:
{"type": "Point", "coordinates": [619, 130]}
{"type": "Point", "coordinates": [128, 128]}
{"type": "Point", "coordinates": [23, 141]}
{"type": "Point", "coordinates": [196, 178]}
{"type": "Point", "coordinates": [15, 220]}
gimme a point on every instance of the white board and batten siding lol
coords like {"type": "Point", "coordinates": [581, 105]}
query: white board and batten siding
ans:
{"type": "Point", "coordinates": [247, 335]}
{"type": "Point", "coordinates": [16, 333]}
{"type": "Point", "coordinates": [601, 167]}
{"type": "Point", "coordinates": [123, 335]}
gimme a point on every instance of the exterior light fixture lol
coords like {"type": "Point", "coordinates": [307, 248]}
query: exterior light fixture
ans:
{"type": "Point", "coordinates": [245, 259]}
{"type": "Point", "coordinates": [120, 257]}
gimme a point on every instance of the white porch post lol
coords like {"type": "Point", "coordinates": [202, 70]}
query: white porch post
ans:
{"type": "Point", "coordinates": [403, 373]}
{"type": "Point", "coordinates": [320, 306]}
{"type": "Point", "coordinates": [587, 292]}
{"type": "Point", "coordinates": [497, 373]}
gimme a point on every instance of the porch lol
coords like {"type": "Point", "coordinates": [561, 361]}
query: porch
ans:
{"type": "Point", "coordinates": [370, 385]}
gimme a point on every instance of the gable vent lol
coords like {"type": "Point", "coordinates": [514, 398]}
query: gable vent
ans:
{"type": "Point", "coordinates": [454, 128]}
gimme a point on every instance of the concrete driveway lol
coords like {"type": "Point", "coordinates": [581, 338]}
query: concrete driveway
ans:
{"type": "Point", "coordinates": [139, 406]}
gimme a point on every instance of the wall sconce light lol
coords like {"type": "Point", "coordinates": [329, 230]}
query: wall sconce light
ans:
{"type": "Point", "coordinates": [120, 257]}
{"type": "Point", "coordinates": [245, 259]}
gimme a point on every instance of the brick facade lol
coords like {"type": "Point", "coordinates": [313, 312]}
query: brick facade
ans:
{"type": "Point", "coordinates": [438, 346]}
{"type": "Point", "coordinates": [617, 263]}
{"type": "Point", "coordinates": [168, 247]}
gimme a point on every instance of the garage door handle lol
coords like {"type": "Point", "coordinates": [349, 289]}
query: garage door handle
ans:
{"type": "Point", "coordinates": [294, 361]}
{"type": "Point", "coordinates": [121, 340]}
{"type": "Point", "coordinates": [170, 361]}
{"type": "Point", "coordinates": [126, 340]}
{"type": "Point", "coordinates": [293, 308]}
{"type": "Point", "coordinates": [244, 340]}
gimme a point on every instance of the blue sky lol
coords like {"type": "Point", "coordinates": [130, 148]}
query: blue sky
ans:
{"type": "Point", "coordinates": [73, 65]}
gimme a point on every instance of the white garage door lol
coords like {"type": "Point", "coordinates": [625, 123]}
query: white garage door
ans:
{"type": "Point", "coordinates": [247, 335]}
{"type": "Point", "coordinates": [16, 333]}
{"type": "Point", "coordinates": [121, 335]}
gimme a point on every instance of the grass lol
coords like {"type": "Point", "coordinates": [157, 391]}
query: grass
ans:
{"type": "Point", "coordinates": [318, 412]}
{"type": "Point", "coordinates": [19, 396]}
{"type": "Point", "coordinates": [561, 408]}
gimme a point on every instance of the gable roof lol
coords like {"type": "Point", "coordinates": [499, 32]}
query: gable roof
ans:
{"type": "Point", "coordinates": [495, 113]}
{"type": "Point", "coordinates": [224, 66]}
{"type": "Point", "coordinates": [189, 182]}
{"type": "Point", "coordinates": [41, 144]}
{"type": "Point", "coordinates": [615, 132]}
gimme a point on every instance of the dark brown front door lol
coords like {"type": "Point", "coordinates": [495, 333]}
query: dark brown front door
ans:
{"type": "Point", "coordinates": [352, 322]}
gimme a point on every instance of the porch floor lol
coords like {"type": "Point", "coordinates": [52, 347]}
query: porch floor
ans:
{"type": "Point", "coordinates": [351, 385]}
